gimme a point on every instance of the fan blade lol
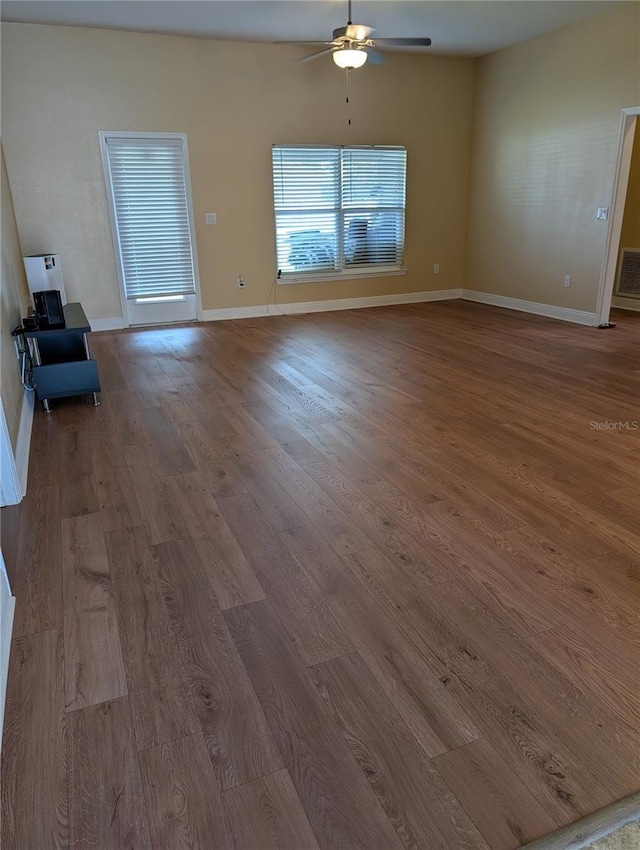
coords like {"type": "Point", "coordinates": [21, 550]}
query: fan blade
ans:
{"type": "Point", "coordinates": [315, 55]}
{"type": "Point", "coordinates": [358, 32]}
{"type": "Point", "coordinates": [373, 56]}
{"type": "Point", "coordinates": [401, 42]}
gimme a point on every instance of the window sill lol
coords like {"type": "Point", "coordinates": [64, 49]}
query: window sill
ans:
{"type": "Point", "coordinates": [333, 276]}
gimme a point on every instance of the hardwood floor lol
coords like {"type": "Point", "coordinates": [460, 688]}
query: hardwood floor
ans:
{"type": "Point", "coordinates": [367, 579]}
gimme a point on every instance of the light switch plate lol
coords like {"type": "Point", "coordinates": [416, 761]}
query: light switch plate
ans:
{"type": "Point", "coordinates": [603, 213]}
{"type": "Point", "coordinates": [211, 218]}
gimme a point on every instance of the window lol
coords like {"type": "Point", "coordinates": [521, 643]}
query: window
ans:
{"type": "Point", "coordinates": [148, 183]}
{"type": "Point", "coordinates": [339, 210]}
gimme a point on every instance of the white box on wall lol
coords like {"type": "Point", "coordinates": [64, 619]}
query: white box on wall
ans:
{"type": "Point", "coordinates": [44, 271]}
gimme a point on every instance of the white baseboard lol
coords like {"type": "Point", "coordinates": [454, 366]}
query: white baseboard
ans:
{"type": "Point", "coordinates": [626, 304]}
{"type": "Point", "coordinates": [326, 306]}
{"type": "Point", "coordinates": [24, 440]}
{"type": "Point", "coordinates": [565, 314]}
{"type": "Point", "coordinates": [112, 323]}
{"type": "Point", "coordinates": [579, 317]}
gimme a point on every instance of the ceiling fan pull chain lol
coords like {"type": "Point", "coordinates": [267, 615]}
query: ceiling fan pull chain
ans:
{"type": "Point", "coordinates": [348, 99]}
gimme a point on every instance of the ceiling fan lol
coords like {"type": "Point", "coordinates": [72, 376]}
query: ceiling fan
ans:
{"type": "Point", "coordinates": [352, 45]}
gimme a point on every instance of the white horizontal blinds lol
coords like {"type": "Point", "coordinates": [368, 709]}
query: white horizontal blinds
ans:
{"type": "Point", "coordinates": [151, 207]}
{"type": "Point", "coordinates": [373, 203]}
{"type": "Point", "coordinates": [338, 207]}
{"type": "Point", "coordinates": [306, 189]}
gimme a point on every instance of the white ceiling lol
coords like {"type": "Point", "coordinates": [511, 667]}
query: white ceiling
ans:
{"type": "Point", "coordinates": [457, 27]}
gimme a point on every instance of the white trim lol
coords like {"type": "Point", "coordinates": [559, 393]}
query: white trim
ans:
{"type": "Point", "coordinates": [580, 317]}
{"type": "Point", "coordinates": [102, 138]}
{"type": "Point", "coordinates": [7, 610]}
{"type": "Point", "coordinates": [112, 323]}
{"type": "Point", "coordinates": [628, 126]}
{"type": "Point", "coordinates": [15, 468]}
{"type": "Point", "coordinates": [289, 279]}
{"type": "Point", "coordinates": [621, 303]}
{"type": "Point", "coordinates": [326, 306]}
{"type": "Point", "coordinates": [584, 832]}
{"type": "Point", "coordinates": [24, 439]}
{"type": "Point", "coordinates": [10, 486]}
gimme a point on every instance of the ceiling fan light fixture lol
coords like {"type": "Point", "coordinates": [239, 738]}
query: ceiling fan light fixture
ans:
{"type": "Point", "coordinates": [347, 58]}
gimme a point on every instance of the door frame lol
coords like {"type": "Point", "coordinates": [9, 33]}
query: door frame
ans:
{"type": "Point", "coordinates": [629, 126]}
{"type": "Point", "coordinates": [7, 611]}
{"type": "Point", "coordinates": [143, 134]}
{"type": "Point", "coordinates": [10, 485]}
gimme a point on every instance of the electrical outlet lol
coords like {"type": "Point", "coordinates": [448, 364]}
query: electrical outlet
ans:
{"type": "Point", "coordinates": [567, 280]}
{"type": "Point", "coordinates": [436, 268]}
{"type": "Point", "coordinates": [241, 281]}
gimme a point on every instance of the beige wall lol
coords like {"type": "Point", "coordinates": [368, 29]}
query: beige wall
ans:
{"type": "Point", "coordinates": [545, 136]}
{"type": "Point", "coordinates": [13, 297]}
{"type": "Point", "coordinates": [630, 237]}
{"type": "Point", "coordinates": [61, 85]}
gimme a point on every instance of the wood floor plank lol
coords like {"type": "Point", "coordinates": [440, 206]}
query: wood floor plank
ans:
{"type": "Point", "coordinates": [231, 577]}
{"type": "Point", "coordinates": [436, 719]}
{"type": "Point", "coordinates": [106, 803]}
{"type": "Point", "coordinates": [335, 525]}
{"type": "Point", "coordinates": [149, 648]}
{"type": "Point", "coordinates": [255, 435]}
{"type": "Point", "coordinates": [312, 628]}
{"type": "Point", "coordinates": [530, 733]}
{"type": "Point", "coordinates": [184, 804]}
{"type": "Point", "coordinates": [44, 468]}
{"type": "Point", "coordinates": [398, 464]}
{"type": "Point", "coordinates": [174, 458]}
{"type": "Point", "coordinates": [339, 803]}
{"type": "Point", "coordinates": [418, 803]}
{"type": "Point", "coordinates": [240, 745]}
{"type": "Point", "coordinates": [119, 506]}
{"type": "Point", "coordinates": [76, 479]}
{"type": "Point", "coordinates": [577, 589]}
{"type": "Point", "coordinates": [38, 576]}
{"type": "Point", "coordinates": [395, 534]}
{"type": "Point", "coordinates": [94, 670]}
{"type": "Point", "coordinates": [210, 452]}
{"type": "Point", "coordinates": [161, 715]}
{"type": "Point", "coordinates": [597, 663]}
{"type": "Point", "coordinates": [34, 760]}
{"type": "Point", "coordinates": [530, 674]}
{"type": "Point", "coordinates": [280, 509]}
{"type": "Point", "coordinates": [481, 561]}
{"type": "Point", "coordinates": [502, 807]}
{"type": "Point", "coordinates": [120, 422]}
{"type": "Point", "coordinates": [267, 814]}
{"type": "Point", "coordinates": [160, 514]}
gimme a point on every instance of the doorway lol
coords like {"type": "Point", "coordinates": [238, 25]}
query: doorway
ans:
{"type": "Point", "coordinates": [628, 128]}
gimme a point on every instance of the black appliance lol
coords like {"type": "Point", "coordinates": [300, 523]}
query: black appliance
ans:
{"type": "Point", "coordinates": [48, 304]}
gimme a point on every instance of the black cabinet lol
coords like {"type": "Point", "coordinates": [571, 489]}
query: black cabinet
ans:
{"type": "Point", "coordinates": [62, 360]}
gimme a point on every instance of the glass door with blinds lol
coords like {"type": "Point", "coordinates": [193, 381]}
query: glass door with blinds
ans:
{"type": "Point", "coordinates": [147, 176]}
